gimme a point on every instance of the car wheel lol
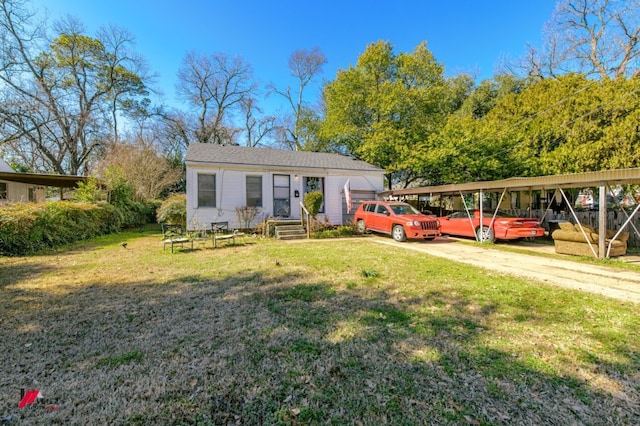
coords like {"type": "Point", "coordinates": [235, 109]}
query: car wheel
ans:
{"type": "Point", "coordinates": [398, 233]}
{"type": "Point", "coordinates": [361, 227]}
{"type": "Point", "coordinates": [486, 235]}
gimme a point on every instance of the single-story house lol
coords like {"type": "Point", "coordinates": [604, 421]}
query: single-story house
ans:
{"type": "Point", "coordinates": [12, 191]}
{"type": "Point", "coordinates": [222, 180]}
{"type": "Point", "coordinates": [31, 187]}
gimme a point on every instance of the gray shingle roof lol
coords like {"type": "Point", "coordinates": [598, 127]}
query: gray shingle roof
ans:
{"type": "Point", "coordinates": [240, 155]}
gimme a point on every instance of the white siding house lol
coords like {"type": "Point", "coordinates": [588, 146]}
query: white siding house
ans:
{"type": "Point", "coordinates": [11, 191]}
{"type": "Point", "coordinates": [221, 179]}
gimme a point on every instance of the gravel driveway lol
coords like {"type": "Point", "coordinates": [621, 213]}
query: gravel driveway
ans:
{"type": "Point", "coordinates": [557, 270]}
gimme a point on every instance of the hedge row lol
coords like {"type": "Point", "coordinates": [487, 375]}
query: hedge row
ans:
{"type": "Point", "coordinates": [27, 228]}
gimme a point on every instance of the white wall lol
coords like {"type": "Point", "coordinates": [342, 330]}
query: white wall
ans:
{"type": "Point", "coordinates": [334, 190]}
{"type": "Point", "coordinates": [231, 192]}
{"type": "Point", "coordinates": [19, 192]}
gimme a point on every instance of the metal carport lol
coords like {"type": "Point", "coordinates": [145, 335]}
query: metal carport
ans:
{"type": "Point", "coordinates": [59, 181]}
{"type": "Point", "coordinates": [601, 179]}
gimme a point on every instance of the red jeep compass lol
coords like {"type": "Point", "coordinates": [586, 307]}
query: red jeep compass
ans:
{"type": "Point", "coordinates": [400, 220]}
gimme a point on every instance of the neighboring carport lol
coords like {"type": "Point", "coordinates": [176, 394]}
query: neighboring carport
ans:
{"type": "Point", "coordinates": [558, 183]}
{"type": "Point", "coordinates": [57, 181]}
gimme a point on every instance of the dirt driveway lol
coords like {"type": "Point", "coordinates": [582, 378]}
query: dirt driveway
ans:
{"type": "Point", "coordinates": [558, 270]}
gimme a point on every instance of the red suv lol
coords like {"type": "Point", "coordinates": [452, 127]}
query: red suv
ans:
{"type": "Point", "coordinates": [400, 220]}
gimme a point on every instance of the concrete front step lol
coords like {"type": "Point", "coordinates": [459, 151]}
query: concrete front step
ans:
{"type": "Point", "coordinates": [277, 227]}
{"type": "Point", "coordinates": [292, 237]}
{"type": "Point", "coordinates": [290, 232]}
{"type": "Point", "coordinates": [296, 227]}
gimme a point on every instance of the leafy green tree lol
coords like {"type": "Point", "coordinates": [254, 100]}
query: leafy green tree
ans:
{"type": "Point", "coordinates": [489, 92]}
{"type": "Point", "coordinates": [470, 147]}
{"type": "Point", "coordinates": [384, 109]}
{"type": "Point", "coordinates": [569, 124]}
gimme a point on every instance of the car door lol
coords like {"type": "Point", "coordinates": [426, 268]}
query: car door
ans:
{"type": "Point", "coordinates": [381, 218]}
{"type": "Point", "coordinates": [367, 214]}
{"type": "Point", "coordinates": [459, 224]}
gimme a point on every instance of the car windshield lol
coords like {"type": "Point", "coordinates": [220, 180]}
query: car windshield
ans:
{"type": "Point", "coordinates": [403, 209]}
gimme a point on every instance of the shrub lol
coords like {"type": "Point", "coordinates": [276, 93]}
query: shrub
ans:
{"type": "Point", "coordinates": [336, 232]}
{"type": "Point", "coordinates": [246, 215]}
{"type": "Point", "coordinates": [30, 228]}
{"type": "Point", "coordinates": [313, 202]}
{"type": "Point", "coordinates": [150, 210]}
{"type": "Point", "coordinates": [173, 210]}
{"type": "Point", "coordinates": [90, 192]}
{"type": "Point", "coordinates": [132, 213]}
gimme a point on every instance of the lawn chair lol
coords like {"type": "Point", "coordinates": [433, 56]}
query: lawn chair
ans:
{"type": "Point", "coordinates": [173, 234]}
{"type": "Point", "coordinates": [220, 231]}
{"type": "Point", "coordinates": [199, 235]}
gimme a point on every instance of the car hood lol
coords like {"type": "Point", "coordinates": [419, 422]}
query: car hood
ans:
{"type": "Point", "coordinates": [418, 217]}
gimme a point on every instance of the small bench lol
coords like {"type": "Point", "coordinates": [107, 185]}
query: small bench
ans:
{"type": "Point", "coordinates": [220, 231]}
{"type": "Point", "coordinates": [173, 234]}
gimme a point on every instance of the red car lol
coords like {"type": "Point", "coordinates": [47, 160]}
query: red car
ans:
{"type": "Point", "coordinates": [400, 220]}
{"type": "Point", "coordinates": [504, 227]}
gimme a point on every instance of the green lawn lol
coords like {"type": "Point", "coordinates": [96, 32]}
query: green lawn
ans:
{"type": "Point", "coordinates": [314, 332]}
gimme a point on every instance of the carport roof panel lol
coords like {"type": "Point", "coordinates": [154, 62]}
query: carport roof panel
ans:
{"type": "Point", "coordinates": [60, 181]}
{"type": "Point", "coordinates": [573, 180]}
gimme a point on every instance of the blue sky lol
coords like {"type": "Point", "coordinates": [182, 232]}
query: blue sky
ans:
{"type": "Point", "coordinates": [464, 35]}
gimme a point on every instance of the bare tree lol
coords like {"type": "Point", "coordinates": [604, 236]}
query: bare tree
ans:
{"type": "Point", "coordinates": [56, 92]}
{"type": "Point", "coordinates": [215, 87]}
{"type": "Point", "coordinates": [595, 37]}
{"type": "Point", "coordinates": [304, 65]}
{"type": "Point", "coordinates": [256, 129]}
{"type": "Point", "coordinates": [142, 166]}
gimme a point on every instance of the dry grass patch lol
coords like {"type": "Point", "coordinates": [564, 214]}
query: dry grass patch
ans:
{"type": "Point", "coordinates": [319, 332]}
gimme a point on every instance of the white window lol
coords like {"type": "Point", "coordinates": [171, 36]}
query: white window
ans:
{"type": "Point", "coordinates": [206, 190]}
{"type": "Point", "coordinates": [254, 191]}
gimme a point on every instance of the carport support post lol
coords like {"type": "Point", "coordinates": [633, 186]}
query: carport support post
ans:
{"type": "Point", "coordinates": [602, 221]}
{"type": "Point", "coordinates": [481, 217]}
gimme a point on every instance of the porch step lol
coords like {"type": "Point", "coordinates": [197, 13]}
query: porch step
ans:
{"type": "Point", "coordinates": [290, 232]}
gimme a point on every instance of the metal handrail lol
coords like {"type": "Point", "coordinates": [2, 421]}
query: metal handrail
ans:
{"type": "Point", "coordinates": [306, 214]}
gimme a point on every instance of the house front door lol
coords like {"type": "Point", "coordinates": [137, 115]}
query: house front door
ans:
{"type": "Point", "coordinates": [281, 195]}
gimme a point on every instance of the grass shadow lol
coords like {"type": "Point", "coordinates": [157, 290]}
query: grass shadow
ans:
{"type": "Point", "coordinates": [215, 337]}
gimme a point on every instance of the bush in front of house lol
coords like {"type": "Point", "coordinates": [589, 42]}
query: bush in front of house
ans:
{"type": "Point", "coordinates": [173, 210]}
{"type": "Point", "coordinates": [341, 231]}
{"type": "Point", "coordinates": [313, 202]}
{"type": "Point", "coordinates": [27, 228]}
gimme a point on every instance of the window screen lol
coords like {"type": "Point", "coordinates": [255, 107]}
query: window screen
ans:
{"type": "Point", "coordinates": [206, 190]}
{"type": "Point", "coordinates": [254, 191]}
